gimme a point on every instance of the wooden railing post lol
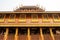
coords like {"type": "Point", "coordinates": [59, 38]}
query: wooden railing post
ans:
{"type": "Point", "coordinates": [41, 34]}
{"type": "Point", "coordinates": [51, 33]}
{"type": "Point", "coordinates": [16, 34]}
{"type": "Point", "coordinates": [6, 34]}
{"type": "Point", "coordinates": [28, 33]}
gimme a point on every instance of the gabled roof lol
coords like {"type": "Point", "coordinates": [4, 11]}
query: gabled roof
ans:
{"type": "Point", "coordinates": [29, 9]}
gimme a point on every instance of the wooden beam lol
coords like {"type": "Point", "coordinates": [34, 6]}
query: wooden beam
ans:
{"type": "Point", "coordinates": [16, 34]}
{"type": "Point", "coordinates": [28, 33]}
{"type": "Point", "coordinates": [29, 25]}
{"type": "Point", "coordinates": [51, 33]}
{"type": "Point", "coordinates": [6, 34]}
{"type": "Point", "coordinates": [42, 37]}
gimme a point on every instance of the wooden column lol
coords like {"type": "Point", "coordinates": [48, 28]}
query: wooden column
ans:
{"type": "Point", "coordinates": [6, 34]}
{"type": "Point", "coordinates": [51, 33]}
{"type": "Point", "coordinates": [28, 33]}
{"type": "Point", "coordinates": [16, 34]}
{"type": "Point", "coordinates": [41, 34]}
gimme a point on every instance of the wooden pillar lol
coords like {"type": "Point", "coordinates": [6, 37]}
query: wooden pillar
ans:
{"type": "Point", "coordinates": [6, 34]}
{"type": "Point", "coordinates": [28, 33]}
{"type": "Point", "coordinates": [16, 34]}
{"type": "Point", "coordinates": [41, 34]}
{"type": "Point", "coordinates": [51, 33]}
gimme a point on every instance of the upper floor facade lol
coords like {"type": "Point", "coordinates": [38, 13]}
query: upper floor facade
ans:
{"type": "Point", "coordinates": [30, 16]}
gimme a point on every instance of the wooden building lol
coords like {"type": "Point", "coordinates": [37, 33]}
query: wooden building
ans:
{"type": "Point", "coordinates": [30, 23]}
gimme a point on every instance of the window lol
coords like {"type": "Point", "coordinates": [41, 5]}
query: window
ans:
{"type": "Point", "coordinates": [55, 16]}
{"type": "Point", "coordinates": [2, 31]}
{"type": "Point", "coordinates": [12, 16]}
{"type": "Point", "coordinates": [22, 16]}
{"type": "Point", "coordinates": [58, 31]}
{"type": "Point", "coordinates": [54, 30]}
{"type": "Point", "coordinates": [22, 31]}
{"type": "Point", "coordinates": [2, 16]}
{"type": "Point", "coordinates": [12, 30]}
{"type": "Point", "coordinates": [34, 16]}
{"type": "Point", "coordinates": [34, 31]}
{"type": "Point", "coordinates": [46, 31]}
{"type": "Point", "coordinates": [45, 16]}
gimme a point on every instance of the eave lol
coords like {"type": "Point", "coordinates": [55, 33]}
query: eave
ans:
{"type": "Point", "coordinates": [7, 12]}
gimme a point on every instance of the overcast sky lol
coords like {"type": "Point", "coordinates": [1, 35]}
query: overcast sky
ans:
{"type": "Point", "coordinates": [48, 5]}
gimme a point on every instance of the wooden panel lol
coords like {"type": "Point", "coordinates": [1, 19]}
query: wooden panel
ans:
{"type": "Point", "coordinates": [47, 37]}
{"type": "Point", "coordinates": [57, 37]}
{"type": "Point", "coordinates": [1, 37]}
{"type": "Point", "coordinates": [10, 37]}
{"type": "Point", "coordinates": [22, 37]}
{"type": "Point", "coordinates": [34, 37]}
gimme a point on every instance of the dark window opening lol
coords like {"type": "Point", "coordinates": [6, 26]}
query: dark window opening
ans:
{"type": "Point", "coordinates": [2, 31]}
{"type": "Point", "coordinates": [34, 16]}
{"type": "Point", "coordinates": [50, 15]}
{"type": "Point", "coordinates": [56, 16]}
{"type": "Point", "coordinates": [45, 16]}
{"type": "Point", "coordinates": [7, 16]}
{"type": "Point", "coordinates": [22, 16]}
{"type": "Point", "coordinates": [45, 31]}
{"type": "Point", "coordinates": [54, 31]}
{"type": "Point", "coordinates": [58, 31]}
{"type": "Point", "coordinates": [22, 31]}
{"type": "Point", "coordinates": [2, 16]}
{"type": "Point", "coordinates": [12, 16]}
{"type": "Point", "coordinates": [12, 31]}
{"type": "Point", "coordinates": [34, 31]}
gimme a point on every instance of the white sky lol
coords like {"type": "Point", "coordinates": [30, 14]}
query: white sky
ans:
{"type": "Point", "coordinates": [49, 5]}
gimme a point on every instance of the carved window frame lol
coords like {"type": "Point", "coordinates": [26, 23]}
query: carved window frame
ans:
{"type": "Point", "coordinates": [21, 16]}
{"type": "Point", "coordinates": [13, 17]}
{"type": "Point", "coordinates": [45, 16]}
{"type": "Point", "coordinates": [2, 17]}
{"type": "Point", "coordinates": [55, 16]}
{"type": "Point", "coordinates": [34, 16]}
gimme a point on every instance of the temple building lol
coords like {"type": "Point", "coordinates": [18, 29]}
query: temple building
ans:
{"type": "Point", "coordinates": [30, 23]}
